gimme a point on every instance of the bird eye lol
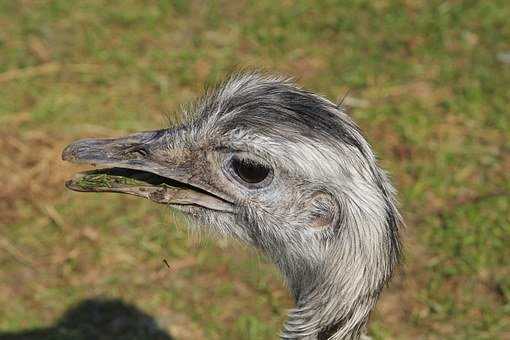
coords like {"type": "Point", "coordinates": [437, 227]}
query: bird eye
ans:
{"type": "Point", "coordinates": [249, 171]}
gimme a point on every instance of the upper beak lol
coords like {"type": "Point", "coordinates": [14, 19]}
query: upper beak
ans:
{"type": "Point", "coordinates": [145, 164]}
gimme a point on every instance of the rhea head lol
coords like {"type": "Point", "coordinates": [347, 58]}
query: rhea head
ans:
{"type": "Point", "coordinates": [281, 169]}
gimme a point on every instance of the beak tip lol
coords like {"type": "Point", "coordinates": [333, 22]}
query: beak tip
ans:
{"type": "Point", "coordinates": [67, 184]}
{"type": "Point", "coordinates": [78, 149]}
{"type": "Point", "coordinates": [67, 153]}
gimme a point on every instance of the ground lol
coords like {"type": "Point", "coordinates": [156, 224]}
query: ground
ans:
{"type": "Point", "coordinates": [427, 82]}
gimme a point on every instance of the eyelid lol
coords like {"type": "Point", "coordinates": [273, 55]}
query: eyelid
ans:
{"type": "Point", "coordinates": [232, 147]}
{"type": "Point", "coordinates": [225, 149]}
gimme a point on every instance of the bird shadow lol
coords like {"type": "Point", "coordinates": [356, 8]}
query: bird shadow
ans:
{"type": "Point", "coordinates": [97, 318]}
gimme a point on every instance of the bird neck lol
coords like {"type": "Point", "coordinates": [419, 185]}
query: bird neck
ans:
{"type": "Point", "coordinates": [331, 309]}
{"type": "Point", "coordinates": [336, 289]}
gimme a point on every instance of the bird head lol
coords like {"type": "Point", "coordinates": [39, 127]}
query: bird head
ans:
{"type": "Point", "coordinates": [274, 166]}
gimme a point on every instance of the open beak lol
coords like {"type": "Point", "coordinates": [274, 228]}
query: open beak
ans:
{"type": "Point", "coordinates": [143, 165]}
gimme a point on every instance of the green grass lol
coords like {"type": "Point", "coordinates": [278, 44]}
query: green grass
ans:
{"type": "Point", "coordinates": [432, 97]}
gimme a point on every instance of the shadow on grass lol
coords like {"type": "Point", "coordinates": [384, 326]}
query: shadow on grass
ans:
{"type": "Point", "coordinates": [97, 319]}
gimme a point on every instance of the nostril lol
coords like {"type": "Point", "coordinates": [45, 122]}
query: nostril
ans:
{"type": "Point", "coordinates": [141, 152]}
{"type": "Point", "coordinates": [135, 151]}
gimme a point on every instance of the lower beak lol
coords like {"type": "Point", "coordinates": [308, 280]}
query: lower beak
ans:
{"type": "Point", "coordinates": [135, 168]}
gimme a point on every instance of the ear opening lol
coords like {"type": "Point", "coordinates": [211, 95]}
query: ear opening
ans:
{"type": "Point", "coordinates": [324, 210]}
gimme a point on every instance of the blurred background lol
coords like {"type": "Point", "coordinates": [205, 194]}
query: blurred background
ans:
{"type": "Point", "coordinates": [428, 83]}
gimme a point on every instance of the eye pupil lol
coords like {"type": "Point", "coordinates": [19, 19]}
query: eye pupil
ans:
{"type": "Point", "coordinates": [250, 171]}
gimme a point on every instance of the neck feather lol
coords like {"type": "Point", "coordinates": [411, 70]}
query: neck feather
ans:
{"type": "Point", "coordinates": [336, 291]}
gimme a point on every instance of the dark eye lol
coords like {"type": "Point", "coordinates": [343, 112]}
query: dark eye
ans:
{"type": "Point", "coordinates": [250, 171]}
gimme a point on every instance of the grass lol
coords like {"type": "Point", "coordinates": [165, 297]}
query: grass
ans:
{"type": "Point", "coordinates": [427, 88]}
{"type": "Point", "coordinates": [94, 181]}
